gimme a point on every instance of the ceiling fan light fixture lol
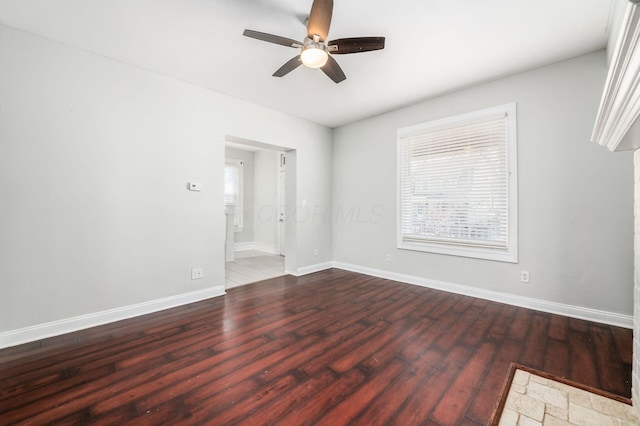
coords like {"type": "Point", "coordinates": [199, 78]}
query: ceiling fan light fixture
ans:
{"type": "Point", "coordinates": [314, 56]}
{"type": "Point", "coordinates": [315, 51]}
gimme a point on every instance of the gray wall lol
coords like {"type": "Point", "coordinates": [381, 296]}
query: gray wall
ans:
{"type": "Point", "coordinates": [248, 166]}
{"type": "Point", "coordinates": [266, 198]}
{"type": "Point", "coordinates": [575, 198]}
{"type": "Point", "coordinates": [95, 156]}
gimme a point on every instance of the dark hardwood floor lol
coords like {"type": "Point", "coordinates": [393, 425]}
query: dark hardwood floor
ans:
{"type": "Point", "coordinates": [331, 348]}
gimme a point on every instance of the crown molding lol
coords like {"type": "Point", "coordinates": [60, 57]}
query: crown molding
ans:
{"type": "Point", "coordinates": [617, 126]}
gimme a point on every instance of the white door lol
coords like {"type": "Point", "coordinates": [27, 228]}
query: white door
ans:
{"type": "Point", "coordinates": [281, 204]}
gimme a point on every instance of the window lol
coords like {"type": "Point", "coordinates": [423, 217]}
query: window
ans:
{"type": "Point", "coordinates": [457, 185]}
{"type": "Point", "coordinates": [233, 189]}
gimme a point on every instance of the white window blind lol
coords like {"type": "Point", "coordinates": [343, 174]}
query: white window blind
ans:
{"type": "Point", "coordinates": [457, 187]}
{"type": "Point", "coordinates": [233, 188]}
{"type": "Point", "coordinates": [231, 183]}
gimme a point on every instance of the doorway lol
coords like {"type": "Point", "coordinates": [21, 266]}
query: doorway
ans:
{"type": "Point", "coordinates": [259, 246]}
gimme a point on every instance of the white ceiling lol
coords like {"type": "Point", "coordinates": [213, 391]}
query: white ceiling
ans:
{"type": "Point", "coordinates": [432, 46]}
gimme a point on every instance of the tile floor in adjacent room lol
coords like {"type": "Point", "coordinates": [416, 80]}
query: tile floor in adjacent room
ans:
{"type": "Point", "coordinates": [535, 400]}
{"type": "Point", "coordinates": [252, 265]}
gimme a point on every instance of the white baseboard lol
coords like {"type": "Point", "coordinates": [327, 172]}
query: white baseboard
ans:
{"type": "Point", "coordinates": [267, 248]}
{"type": "Point", "coordinates": [55, 328]}
{"type": "Point", "coordinates": [244, 246]}
{"type": "Point", "coordinates": [572, 311]}
{"type": "Point", "coordinates": [67, 325]}
{"type": "Point", "coordinates": [304, 270]}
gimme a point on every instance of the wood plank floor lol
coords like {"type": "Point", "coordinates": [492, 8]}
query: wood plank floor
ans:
{"type": "Point", "coordinates": [331, 348]}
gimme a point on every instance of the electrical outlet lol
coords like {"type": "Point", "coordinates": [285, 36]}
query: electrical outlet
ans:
{"type": "Point", "coordinates": [315, 252]}
{"type": "Point", "coordinates": [524, 276]}
{"type": "Point", "coordinates": [388, 258]}
{"type": "Point", "coordinates": [197, 273]}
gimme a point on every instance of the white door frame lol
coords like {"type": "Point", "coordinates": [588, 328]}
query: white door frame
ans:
{"type": "Point", "coordinates": [282, 242]}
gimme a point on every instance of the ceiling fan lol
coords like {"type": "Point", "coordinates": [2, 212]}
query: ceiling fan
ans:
{"type": "Point", "coordinates": [315, 51]}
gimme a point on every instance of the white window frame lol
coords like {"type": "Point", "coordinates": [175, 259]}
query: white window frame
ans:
{"type": "Point", "coordinates": [511, 252]}
{"type": "Point", "coordinates": [238, 221]}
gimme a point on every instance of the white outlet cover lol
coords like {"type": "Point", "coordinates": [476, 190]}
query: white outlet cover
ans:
{"type": "Point", "coordinates": [197, 273]}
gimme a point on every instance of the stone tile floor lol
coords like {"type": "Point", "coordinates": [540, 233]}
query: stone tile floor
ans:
{"type": "Point", "coordinates": [250, 266]}
{"type": "Point", "coordinates": [535, 400]}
